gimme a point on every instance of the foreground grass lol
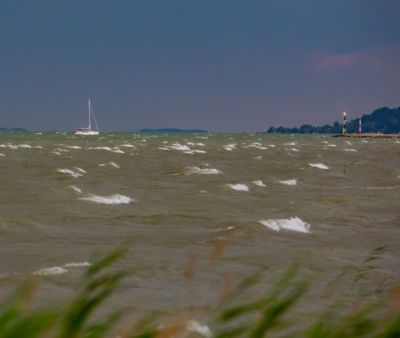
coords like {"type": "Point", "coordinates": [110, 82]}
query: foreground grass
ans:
{"type": "Point", "coordinates": [267, 315]}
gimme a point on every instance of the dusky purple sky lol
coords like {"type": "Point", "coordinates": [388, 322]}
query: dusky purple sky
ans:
{"type": "Point", "coordinates": [221, 65]}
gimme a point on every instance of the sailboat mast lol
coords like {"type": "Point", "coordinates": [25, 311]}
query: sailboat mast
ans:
{"type": "Point", "coordinates": [89, 114]}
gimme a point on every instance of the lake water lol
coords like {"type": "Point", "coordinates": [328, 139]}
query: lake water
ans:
{"type": "Point", "coordinates": [261, 200]}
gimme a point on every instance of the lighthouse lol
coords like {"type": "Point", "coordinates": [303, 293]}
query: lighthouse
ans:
{"type": "Point", "coordinates": [344, 126]}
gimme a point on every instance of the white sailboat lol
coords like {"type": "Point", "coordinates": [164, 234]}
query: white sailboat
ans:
{"type": "Point", "coordinates": [88, 130]}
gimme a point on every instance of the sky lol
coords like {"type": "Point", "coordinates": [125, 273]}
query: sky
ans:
{"type": "Point", "coordinates": [220, 65]}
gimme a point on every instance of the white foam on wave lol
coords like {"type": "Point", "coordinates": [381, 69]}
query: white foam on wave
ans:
{"type": "Point", "coordinates": [290, 144]}
{"type": "Point", "coordinates": [55, 270]}
{"type": "Point", "coordinates": [238, 187]}
{"type": "Point", "coordinates": [293, 149]}
{"type": "Point", "coordinates": [127, 145]}
{"type": "Point", "coordinates": [81, 170]}
{"type": "Point", "coordinates": [291, 224]}
{"type": "Point", "coordinates": [113, 199]}
{"type": "Point", "coordinates": [201, 329]}
{"type": "Point", "coordinates": [180, 147]}
{"type": "Point", "coordinates": [202, 171]}
{"type": "Point", "coordinates": [77, 265]}
{"type": "Point", "coordinates": [114, 150]}
{"type": "Point", "coordinates": [259, 183]}
{"type": "Point", "coordinates": [349, 149]}
{"type": "Point", "coordinates": [319, 166]}
{"type": "Point", "coordinates": [75, 188]}
{"type": "Point", "coordinates": [164, 148]}
{"type": "Point", "coordinates": [70, 172]}
{"type": "Point", "coordinates": [230, 146]}
{"type": "Point", "coordinates": [24, 146]}
{"type": "Point", "coordinates": [9, 145]}
{"type": "Point", "coordinates": [59, 270]}
{"type": "Point", "coordinates": [288, 182]}
{"type": "Point", "coordinates": [196, 144]}
{"type": "Point", "coordinates": [256, 145]}
{"type": "Point", "coordinates": [111, 164]}
{"type": "Point", "coordinates": [1, 154]}
{"type": "Point", "coordinates": [73, 147]}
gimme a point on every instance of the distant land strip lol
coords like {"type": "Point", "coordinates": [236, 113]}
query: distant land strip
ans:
{"type": "Point", "coordinates": [173, 130]}
{"type": "Point", "coordinates": [383, 120]}
{"type": "Point", "coordinates": [13, 130]}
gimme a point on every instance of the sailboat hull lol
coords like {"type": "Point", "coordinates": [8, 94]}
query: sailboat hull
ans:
{"type": "Point", "coordinates": [86, 132]}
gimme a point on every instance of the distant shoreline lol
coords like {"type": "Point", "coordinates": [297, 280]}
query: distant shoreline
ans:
{"type": "Point", "coordinates": [173, 131]}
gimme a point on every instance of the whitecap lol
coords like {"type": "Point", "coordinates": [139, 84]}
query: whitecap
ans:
{"type": "Point", "coordinates": [292, 224]}
{"type": "Point", "coordinates": [230, 146]}
{"type": "Point", "coordinates": [256, 145]}
{"type": "Point", "coordinates": [76, 265]}
{"type": "Point", "coordinates": [117, 150]}
{"type": "Point", "coordinates": [196, 144]}
{"type": "Point", "coordinates": [69, 172]}
{"type": "Point", "coordinates": [127, 145]}
{"type": "Point", "coordinates": [238, 187]}
{"type": "Point", "coordinates": [289, 182]}
{"type": "Point", "coordinates": [319, 166]}
{"type": "Point", "coordinates": [113, 199]}
{"type": "Point", "coordinates": [24, 146]}
{"type": "Point", "coordinates": [290, 144]}
{"type": "Point", "coordinates": [201, 329]}
{"type": "Point", "coordinates": [1, 154]}
{"type": "Point", "coordinates": [180, 147]}
{"type": "Point", "coordinates": [81, 170]}
{"type": "Point", "coordinates": [100, 148]}
{"type": "Point", "coordinates": [259, 183]}
{"type": "Point", "coordinates": [349, 149]}
{"type": "Point", "coordinates": [164, 148]}
{"type": "Point", "coordinates": [294, 149]}
{"type": "Point", "coordinates": [55, 270]}
{"type": "Point", "coordinates": [73, 147]}
{"type": "Point", "coordinates": [75, 188]}
{"type": "Point", "coordinates": [202, 171]}
{"type": "Point", "coordinates": [111, 164]}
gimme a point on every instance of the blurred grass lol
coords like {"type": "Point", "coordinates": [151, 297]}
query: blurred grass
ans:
{"type": "Point", "coordinates": [238, 314]}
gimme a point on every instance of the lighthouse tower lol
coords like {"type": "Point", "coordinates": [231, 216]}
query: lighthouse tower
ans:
{"type": "Point", "coordinates": [344, 125]}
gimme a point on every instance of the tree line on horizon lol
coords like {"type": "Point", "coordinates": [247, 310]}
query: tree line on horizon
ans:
{"type": "Point", "coordinates": [383, 120]}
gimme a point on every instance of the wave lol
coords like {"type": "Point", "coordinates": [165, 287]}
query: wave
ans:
{"type": "Point", "coordinates": [349, 149]}
{"type": "Point", "coordinates": [238, 187]}
{"type": "Point", "coordinates": [202, 171]}
{"type": "Point", "coordinates": [114, 150]}
{"type": "Point", "coordinates": [1, 154]}
{"type": "Point", "coordinates": [70, 172]}
{"type": "Point", "coordinates": [289, 182]}
{"type": "Point", "coordinates": [259, 183]}
{"type": "Point", "coordinates": [127, 145]}
{"type": "Point", "coordinates": [55, 270]}
{"type": "Point", "coordinates": [75, 188]}
{"type": "Point", "coordinates": [230, 146]}
{"type": "Point", "coordinates": [111, 164]}
{"type": "Point", "coordinates": [113, 199]}
{"type": "Point", "coordinates": [200, 329]}
{"type": "Point", "coordinates": [77, 265]}
{"type": "Point", "coordinates": [73, 147]}
{"type": "Point", "coordinates": [59, 270]}
{"type": "Point", "coordinates": [256, 145]}
{"type": "Point", "coordinates": [291, 224]}
{"type": "Point", "coordinates": [319, 166]}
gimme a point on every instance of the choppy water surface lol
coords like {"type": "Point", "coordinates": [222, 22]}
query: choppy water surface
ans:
{"type": "Point", "coordinates": [266, 200]}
